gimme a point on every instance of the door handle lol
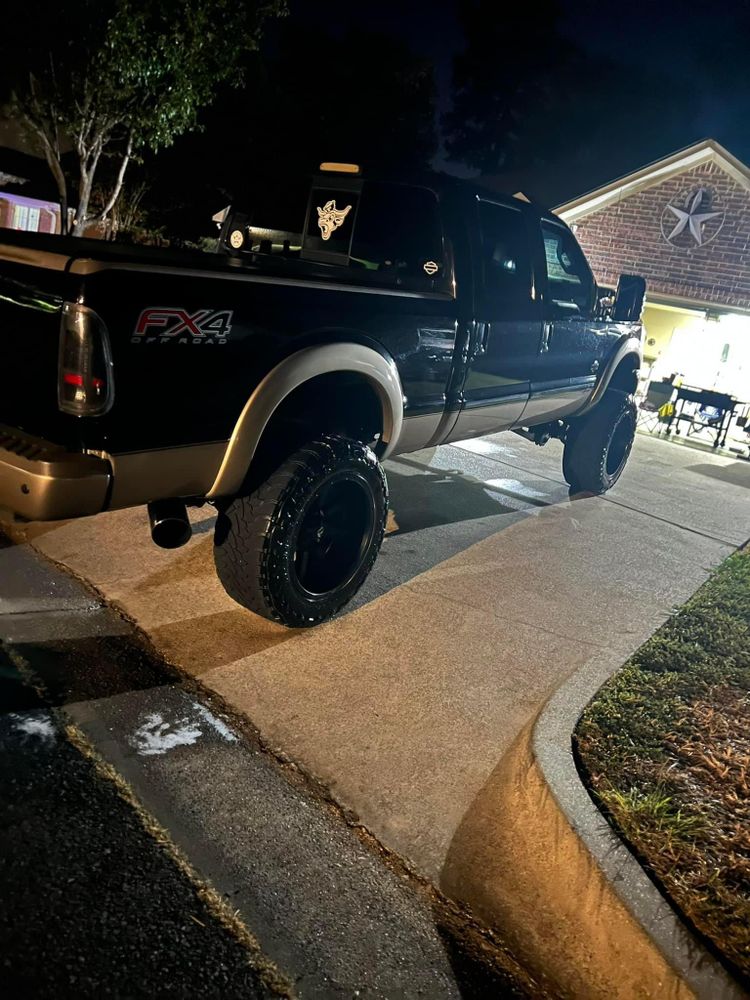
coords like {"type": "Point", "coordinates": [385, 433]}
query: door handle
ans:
{"type": "Point", "coordinates": [480, 338]}
{"type": "Point", "coordinates": [483, 334]}
{"type": "Point", "coordinates": [546, 336]}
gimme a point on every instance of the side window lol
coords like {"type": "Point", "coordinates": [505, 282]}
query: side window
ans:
{"type": "Point", "coordinates": [398, 234]}
{"type": "Point", "coordinates": [570, 283]}
{"type": "Point", "coordinates": [506, 255]}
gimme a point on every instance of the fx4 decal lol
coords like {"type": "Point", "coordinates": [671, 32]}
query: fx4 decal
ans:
{"type": "Point", "coordinates": [161, 325]}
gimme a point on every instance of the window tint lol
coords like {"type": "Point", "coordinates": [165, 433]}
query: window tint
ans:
{"type": "Point", "coordinates": [569, 280]}
{"type": "Point", "coordinates": [505, 253]}
{"type": "Point", "coordinates": [397, 231]}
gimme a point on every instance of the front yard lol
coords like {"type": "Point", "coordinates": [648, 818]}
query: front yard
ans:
{"type": "Point", "coordinates": [665, 751]}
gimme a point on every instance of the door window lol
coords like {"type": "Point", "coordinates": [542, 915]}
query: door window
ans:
{"type": "Point", "coordinates": [506, 256]}
{"type": "Point", "coordinates": [570, 284]}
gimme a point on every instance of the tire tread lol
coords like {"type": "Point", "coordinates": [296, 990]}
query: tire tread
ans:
{"type": "Point", "coordinates": [585, 454]}
{"type": "Point", "coordinates": [247, 528]}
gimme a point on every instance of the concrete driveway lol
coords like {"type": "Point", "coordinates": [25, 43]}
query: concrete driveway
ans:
{"type": "Point", "coordinates": [492, 588]}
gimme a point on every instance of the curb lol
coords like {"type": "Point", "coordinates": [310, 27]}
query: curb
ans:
{"type": "Point", "coordinates": [552, 750]}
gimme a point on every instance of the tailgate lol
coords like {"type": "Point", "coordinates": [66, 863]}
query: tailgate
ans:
{"type": "Point", "coordinates": [31, 298]}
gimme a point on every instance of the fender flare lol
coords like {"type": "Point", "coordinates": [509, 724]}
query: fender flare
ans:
{"type": "Point", "coordinates": [629, 347]}
{"type": "Point", "coordinates": [379, 370]}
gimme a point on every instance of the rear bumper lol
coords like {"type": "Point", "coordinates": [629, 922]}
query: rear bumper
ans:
{"type": "Point", "coordinates": [40, 481]}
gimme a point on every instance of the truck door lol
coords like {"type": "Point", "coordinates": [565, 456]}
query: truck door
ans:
{"type": "Point", "coordinates": [506, 335]}
{"type": "Point", "coordinates": [573, 343]}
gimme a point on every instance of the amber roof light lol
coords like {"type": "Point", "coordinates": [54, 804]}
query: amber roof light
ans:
{"type": "Point", "coordinates": [340, 168]}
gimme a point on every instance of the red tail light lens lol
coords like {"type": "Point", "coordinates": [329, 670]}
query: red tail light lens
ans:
{"type": "Point", "coordinates": [85, 384]}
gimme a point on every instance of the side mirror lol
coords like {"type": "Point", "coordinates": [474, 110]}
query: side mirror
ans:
{"type": "Point", "coordinates": [631, 292]}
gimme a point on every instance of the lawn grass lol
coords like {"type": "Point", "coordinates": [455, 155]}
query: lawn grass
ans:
{"type": "Point", "coordinates": [665, 750]}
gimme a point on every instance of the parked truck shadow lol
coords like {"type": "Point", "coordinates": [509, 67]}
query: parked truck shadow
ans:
{"type": "Point", "coordinates": [738, 473]}
{"type": "Point", "coordinates": [437, 511]}
{"type": "Point", "coordinates": [424, 497]}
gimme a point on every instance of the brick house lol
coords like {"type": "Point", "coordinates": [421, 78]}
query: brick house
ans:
{"type": "Point", "coordinates": [684, 224]}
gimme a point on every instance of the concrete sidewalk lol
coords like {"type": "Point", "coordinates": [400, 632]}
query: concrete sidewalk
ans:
{"type": "Point", "coordinates": [492, 589]}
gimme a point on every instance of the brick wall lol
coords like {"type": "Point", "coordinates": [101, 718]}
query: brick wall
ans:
{"type": "Point", "coordinates": [629, 237]}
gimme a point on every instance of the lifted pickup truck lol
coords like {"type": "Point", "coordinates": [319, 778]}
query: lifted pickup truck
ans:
{"type": "Point", "coordinates": [344, 319]}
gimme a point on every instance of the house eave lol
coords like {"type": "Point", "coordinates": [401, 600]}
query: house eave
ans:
{"type": "Point", "coordinates": [693, 156]}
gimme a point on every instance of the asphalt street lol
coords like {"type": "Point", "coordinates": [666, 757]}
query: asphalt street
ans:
{"type": "Point", "coordinates": [152, 848]}
{"type": "Point", "coordinates": [92, 906]}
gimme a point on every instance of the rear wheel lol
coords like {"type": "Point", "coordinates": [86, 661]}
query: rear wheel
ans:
{"type": "Point", "coordinates": [299, 547]}
{"type": "Point", "coordinates": [597, 447]}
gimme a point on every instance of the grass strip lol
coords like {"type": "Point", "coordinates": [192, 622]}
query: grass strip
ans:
{"type": "Point", "coordinates": [664, 748]}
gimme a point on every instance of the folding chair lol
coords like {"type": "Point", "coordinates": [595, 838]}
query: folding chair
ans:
{"type": "Point", "coordinates": [657, 395]}
{"type": "Point", "coordinates": [706, 418]}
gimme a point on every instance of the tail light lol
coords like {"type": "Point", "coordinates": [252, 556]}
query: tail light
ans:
{"type": "Point", "coordinates": [85, 385]}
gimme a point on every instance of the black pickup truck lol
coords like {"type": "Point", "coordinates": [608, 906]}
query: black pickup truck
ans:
{"type": "Point", "coordinates": [342, 319]}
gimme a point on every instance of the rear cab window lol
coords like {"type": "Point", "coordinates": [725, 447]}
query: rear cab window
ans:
{"type": "Point", "coordinates": [398, 234]}
{"type": "Point", "coordinates": [376, 232]}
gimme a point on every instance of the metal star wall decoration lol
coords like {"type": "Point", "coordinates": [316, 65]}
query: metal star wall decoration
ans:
{"type": "Point", "coordinates": [693, 218]}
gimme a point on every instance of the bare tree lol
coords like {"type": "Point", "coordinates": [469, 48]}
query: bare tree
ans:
{"type": "Point", "coordinates": [113, 77]}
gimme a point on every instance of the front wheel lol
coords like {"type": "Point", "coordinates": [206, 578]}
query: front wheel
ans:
{"type": "Point", "coordinates": [299, 547]}
{"type": "Point", "coordinates": [598, 446]}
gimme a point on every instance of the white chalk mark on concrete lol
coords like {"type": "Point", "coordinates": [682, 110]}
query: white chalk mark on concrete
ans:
{"type": "Point", "coordinates": [220, 727]}
{"type": "Point", "coordinates": [155, 736]}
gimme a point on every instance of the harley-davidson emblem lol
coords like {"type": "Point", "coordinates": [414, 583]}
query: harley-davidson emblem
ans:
{"type": "Point", "coordinates": [330, 218]}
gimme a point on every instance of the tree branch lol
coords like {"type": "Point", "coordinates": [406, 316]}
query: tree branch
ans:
{"type": "Point", "coordinates": [52, 156]}
{"type": "Point", "coordinates": [118, 183]}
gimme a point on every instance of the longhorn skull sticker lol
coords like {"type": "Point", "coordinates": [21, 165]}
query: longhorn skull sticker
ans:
{"type": "Point", "coordinates": [330, 218]}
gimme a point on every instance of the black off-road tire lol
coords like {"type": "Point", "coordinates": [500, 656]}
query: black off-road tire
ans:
{"type": "Point", "coordinates": [264, 542]}
{"type": "Point", "coordinates": [598, 446]}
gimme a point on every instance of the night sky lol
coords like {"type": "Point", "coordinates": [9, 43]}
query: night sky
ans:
{"type": "Point", "coordinates": [674, 73]}
{"type": "Point", "coordinates": [697, 50]}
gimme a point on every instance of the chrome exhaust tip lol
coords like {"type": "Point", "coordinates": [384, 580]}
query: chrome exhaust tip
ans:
{"type": "Point", "coordinates": [170, 527]}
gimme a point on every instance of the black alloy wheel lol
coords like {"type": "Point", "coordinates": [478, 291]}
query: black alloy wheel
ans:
{"type": "Point", "coordinates": [336, 529]}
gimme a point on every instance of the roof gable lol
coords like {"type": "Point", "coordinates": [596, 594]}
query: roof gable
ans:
{"type": "Point", "coordinates": [707, 151]}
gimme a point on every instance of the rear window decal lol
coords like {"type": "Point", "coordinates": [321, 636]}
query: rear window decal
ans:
{"type": "Point", "coordinates": [330, 218]}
